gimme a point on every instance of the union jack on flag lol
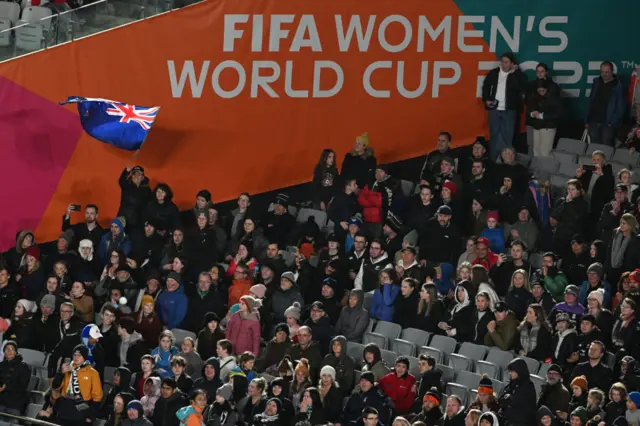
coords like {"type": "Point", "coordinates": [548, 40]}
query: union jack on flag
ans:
{"type": "Point", "coordinates": [122, 125]}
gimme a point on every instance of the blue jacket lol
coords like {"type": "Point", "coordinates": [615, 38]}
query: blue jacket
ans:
{"type": "Point", "coordinates": [172, 307]}
{"type": "Point", "coordinates": [616, 106]}
{"type": "Point", "coordinates": [163, 360]}
{"type": "Point", "coordinates": [382, 303]}
{"type": "Point", "coordinates": [584, 293]}
{"type": "Point", "coordinates": [122, 243]}
{"type": "Point", "coordinates": [495, 237]}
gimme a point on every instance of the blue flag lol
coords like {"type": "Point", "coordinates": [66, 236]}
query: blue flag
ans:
{"type": "Point", "coordinates": [122, 125]}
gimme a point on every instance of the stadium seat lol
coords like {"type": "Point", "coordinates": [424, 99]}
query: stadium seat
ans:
{"type": "Point", "coordinates": [499, 357]}
{"type": "Point", "coordinates": [535, 259]}
{"type": "Point", "coordinates": [5, 31]}
{"type": "Point", "coordinates": [568, 169]}
{"type": "Point", "coordinates": [533, 364]}
{"type": "Point", "coordinates": [33, 410]}
{"type": "Point", "coordinates": [616, 167]}
{"type": "Point", "coordinates": [366, 304]}
{"type": "Point", "coordinates": [319, 217]}
{"type": "Point", "coordinates": [523, 159]}
{"type": "Point", "coordinates": [108, 373]}
{"type": "Point", "coordinates": [497, 386]}
{"type": "Point", "coordinates": [378, 339]}
{"type": "Point", "coordinates": [10, 11]}
{"type": "Point", "coordinates": [33, 383]}
{"type": "Point", "coordinates": [544, 164]}
{"type": "Point", "coordinates": [33, 357]}
{"type": "Point", "coordinates": [609, 359]}
{"type": "Point", "coordinates": [389, 357]}
{"type": "Point", "coordinates": [564, 157]}
{"type": "Point", "coordinates": [448, 373]}
{"type": "Point", "coordinates": [417, 336]}
{"type": "Point", "coordinates": [434, 352]}
{"type": "Point", "coordinates": [388, 329]}
{"type": "Point", "coordinates": [537, 383]}
{"type": "Point", "coordinates": [445, 343]}
{"type": "Point", "coordinates": [268, 377]}
{"type": "Point", "coordinates": [608, 150]}
{"type": "Point", "coordinates": [29, 37]}
{"type": "Point", "coordinates": [180, 334]}
{"type": "Point", "coordinates": [542, 371]}
{"type": "Point", "coordinates": [354, 350]}
{"type": "Point", "coordinates": [99, 422]}
{"type": "Point", "coordinates": [407, 187]}
{"type": "Point", "coordinates": [403, 347]}
{"type": "Point", "coordinates": [459, 390]}
{"type": "Point", "coordinates": [357, 374]}
{"type": "Point", "coordinates": [468, 379]}
{"type": "Point", "coordinates": [313, 261]}
{"type": "Point", "coordinates": [37, 397]}
{"type": "Point", "coordinates": [37, 15]}
{"type": "Point", "coordinates": [558, 185]}
{"type": "Point", "coordinates": [488, 368]}
{"type": "Point", "coordinates": [585, 159]}
{"type": "Point", "coordinates": [460, 362]}
{"type": "Point", "coordinates": [473, 351]}
{"type": "Point", "coordinates": [624, 156]}
{"type": "Point", "coordinates": [414, 368]}
{"type": "Point", "coordinates": [573, 146]}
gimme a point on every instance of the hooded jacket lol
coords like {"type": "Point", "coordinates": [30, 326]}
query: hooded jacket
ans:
{"type": "Point", "coordinates": [133, 198]}
{"type": "Point", "coordinates": [375, 398]}
{"type": "Point", "coordinates": [322, 332]}
{"type": "Point", "coordinates": [282, 300]}
{"type": "Point", "coordinates": [406, 308]}
{"type": "Point", "coordinates": [149, 401]}
{"type": "Point", "coordinates": [243, 331]}
{"type": "Point", "coordinates": [399, 389]}
{"type": "Point", "coordinates": [124, 386]}
{"type": "Point", "coordinates": [353, 322]}
{"type": "Point", "coordinates": [518, 398]}
{"type": "Point", "coordinates": [164, 413]}
{"type": "Point", "coordinates": [377, 366]}
{"type": "Point", "coordinates": [211, 386]}
{"type": "Point", "coordinates": [344, 365]}
{"type": "Point", "coordinates": [367, 277]}
{"type": "Point", "coordinates": [383, 302]}
{"type": "Point", "coordinates": [462, 318]}
{"type": "Point", "coordinates": [15, 375]}
{"type": "Point", "coordinates": [172, 307]}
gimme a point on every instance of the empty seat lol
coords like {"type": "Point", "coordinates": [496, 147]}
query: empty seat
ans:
{"type": "Point", "coordinates": [378, 339]}
{"type": "Point", "coordinates": [544, 164]}
{"type": "Point", "coordinates": [460, 362]}
{"type": "Point", "coordinates": [473, 351]}
{"type": "Point", "coordinates": [372, 322]}
{"type": "Point", "coordinates": [497, 386]}
{"type": "Point", "coordinates": [461, 391]}
{"type": "Point", "coordinates": [533, 364]}
{"type": "Point", "coordinates": [388, 329]}
{"type": "Point", "coordinates": [414, 367]}
{"type": "Point", "coordinates": [10, 11]}
{"type": "Point", "coordinates": [268, 377]}
{"type": "Point", "coordinates": [37, 397]}
{"type": "Point", "coordinates": [403, 347]}
{"type": "Point", "coordinates": [468, 379]}
{"type": "Point", "coordinates": [389, 357]}
{"type": "Point", "coordinates": [573, 146]}
{"type": "Point", "coordinates": [99, 422]}
{"type": "Point", "coordinates": [499, 357]}
{"type": "Point", "coordinates": [567, 169]}
{"type": "Point", "coordinates": [537, 383]}
{"type": "Point", "coordinates": [366, 304]}
{"type": "Point", "coordinates": [558, 184]}
{"type": "Point", "coordinates": [488, 368]}
{"type": "Point", "coordinates": [33, 357]}
{"type": "Point", "coordinates": [446, 344]}
{"type": "Point", "coordinates": [33, 383]}
{"type": "Point", "coordinates": [523, 159]}
{"type": "Point", "coordinates": [354, 350]}
{"type": "Point", "coordinates": [434, 352]}
{"type": "Point", "coordinates": [448, 373]}
{"type": "Point", "coordinates": [608, 150]}
{"type": "Point", "coordinates": [180, 334]}
{"type": "Point", "coordinates": [407, 187]}
{"type": "Point", "coordinates": [584, 159]}
{"type": "Point", "coordinates": [5, 31]}
{"type": "Point", "coordinates": [417, 336]}
{"type": "Point", "coordinates": [319, 217]}
{"type": "Point", "coordinates": [32, 410]}
{"type": "Point", "coordinates": [108, 373]}
{"type": "Point", "coordinates": [564, 157]}
{"type": "Point", "coordinates": [624, 156]}
{"type": "Point", "coordinates": [357, 374]}
{"type": "Point", "coordinates": [542, 371]}
{"type": "Point", "coordinates": [37, 15]}
{"type": "Point", "coordinates": [609, 359]}
{"type": "Point", "coordinates": [616, 167]}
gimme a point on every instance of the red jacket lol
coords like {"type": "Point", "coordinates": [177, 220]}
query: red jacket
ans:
{"type": "Point", "coordinates": [489, 262]}
{"type": "Point", "coordinates": [400, 390]}
{"type": "Point", "coordinates": [371, 202]}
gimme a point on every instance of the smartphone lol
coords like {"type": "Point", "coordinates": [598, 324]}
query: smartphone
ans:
{"type": "Point", "coordinates": [66, 361]}
{"type": "Point", "coordinates": [588, 168]}
{"type": "Point", "coordinates": [75, 207]}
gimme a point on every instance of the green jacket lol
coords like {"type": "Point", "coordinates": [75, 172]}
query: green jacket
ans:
{"type": "Point", "coordinates": [504, 334]}
{"type": "Point", "coordinates": [556, 285]}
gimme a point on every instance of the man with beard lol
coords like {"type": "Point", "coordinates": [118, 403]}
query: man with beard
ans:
{"type": "Point", "coordinates": [554, 393]}
{"type": "Point", "coordinates": [367, 278]}
{"type": "Point", "coordinates": [434, 158]}
{"type": "Point", "coordinates": [440, 241]}
{"type": "Point", "coordinates": [431, 413]}
{"type": "Point", "coordinates": [598, 374]}
{"type": "Point", "coordinates": [90, 229]}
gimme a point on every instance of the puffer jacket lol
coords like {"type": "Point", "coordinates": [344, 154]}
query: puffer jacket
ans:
{"type": "Point", "coordinates": [353, 322]}
{"type": "Point", "coordinates": [282, 299]}
{"type": "Point", "coordinates": [89, 383]}
{"type": "Point", "coordinates": [344, 365]}
{"type": "Point", "coordinates": [15, 375]}
{"type": "Point", "coordinates": [149, 401]}
{"type": "Point", "coordinates": [383, 302]}
{"type": "Point", "coordinates": [372, 205]}
{"type": "Point", "coordinates": [172, 307]}
{"type": "Point", "coordinates": [243, 331]}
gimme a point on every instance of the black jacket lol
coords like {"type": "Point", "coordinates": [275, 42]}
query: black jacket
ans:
{"type": "Point", "coordinates": [406, 308]}
{"type": "Point", "coordinates": [359, 167]}
{"type": "Point", "coordinates": [8, 298]}
{"type": "Point", "coordinates": [572, 217]}
{"type": "Point", "coordinates": [440, 244]}
{"type": "Point", "coordinates": [373, 398]}
{"type": "Point", "coordinates": [568, 346]}
{"type": "Point", "coordinates": [550, 107]}
{"type": "Point", "coordinates": [543, 348]}
{"type": "Point", "coordinates": [322, 332]}
{"type": "Point", "coordinates": [15, 374]}
{"type": "Point", "coordinates": [518, 398]}
{"type": "Point", "coordinates": [416, 214]}
{"type": "Point", "coordinates": [277, 228]}
{"type": "Point", "coordinates": [515, 90]}
{"type": "Point", "coordinates": [599, 376]}
{"type": "Point", "coordinates": [133, 199]}
{"type": "Point", "coordinates": [165, 216]}
{"type": "Point", "coordinates": [69, 337]}
{"type": "Point", "coordinates": [555, 397]}
{"type": "Point", "coordinates": [602, 191]}
{"type": "Point", "coordinates": [213, 301]}
{"type": "Point", "coordinates": [125, 380]}
{"type": "Point", "coordinates": [343, 207]}
{"type": "Point", "coordinates": [164, 413]}
{"type": "Point", "coordinates": [480, 325]}
{"type": "Point", "coordinates": [82, 232]}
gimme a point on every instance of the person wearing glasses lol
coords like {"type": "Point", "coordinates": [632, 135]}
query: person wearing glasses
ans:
{"type": "Point", "coordinates": [309, 349]}
{"type": "Point", "coordinates": [14, 376]}
{"type": "Point", "coordinates": [69, 328]}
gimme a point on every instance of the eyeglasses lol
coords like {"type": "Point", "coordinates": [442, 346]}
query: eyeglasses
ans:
{"type": "Point", "coordinates": [66, 312]}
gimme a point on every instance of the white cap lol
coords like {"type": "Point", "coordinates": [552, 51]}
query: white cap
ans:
{"type": "Point", "coordinates": [94, 332]}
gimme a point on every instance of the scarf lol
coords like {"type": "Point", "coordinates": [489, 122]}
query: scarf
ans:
{"type": "Point", "coordinates": [618, 249]}
{"type": "Point", "coordinates": [543, 202]}
{"type": "Point", "coordinates": [529, 338]}
{"type": "Point", "coordinates": [73, 390]}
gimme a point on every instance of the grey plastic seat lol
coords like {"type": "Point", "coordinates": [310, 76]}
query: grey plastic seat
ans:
{"type": "Point", "coordinates": [468, 379]}
{"type": "Point", "coordinates": [36, 397]}
{"type": "Point", "coordinates": [313, 261]}
{"type": "Point", "coordinates": [542, 371]}
{"type": "Point", "coordinates": [558, 183]}
{"type": "Point", "coordinates": [473, 351]}
{"type": "Point", "coordinates": [544, 164]}
{"type": "Point", "coordinates": [33, 357]}
{"type": "Point", "coordinates": [535, 259]}
{"type": "Point", "coordinates": [108, 373]}
{"type": "Point", "coordinates": [378, 339]}
{"type": "Point", "coordinates": [460, 362]}
{"type": "Point", "coordinates": [624, 156]}
{"type": "Point", "coordinates": [33, 383]}
{"type": "Point", "coordinates": [319, 217]}
{"type": "Point", "coordinates": [448, 373]}
{"type": "Point", "coordinates": [388, 357]}
{"type": "Point", "coordinates": [573, 146]}
{"type": "Point", "coordinates": [584, 159]}
{"type": "Point", "coordinates": [533, 364]}
{"type": "Point", "coordinates": [355, 350]}
{"type": "Point", "coordinates": [388, 329]}
{"type": "Point", "coordinates": [434, 352]}
{"type": "Point", "coordinates": [537, 383]}
{"type": "Point", "coordinates": [407, 187]}
{"type": "Point", "coordinates": [33, 410]}
{"type": "Point", "coordinates": [568, 169]}
{"type": "Point", "coordinates": [417, 336]}
{"type": "Point", "coordinates": [523, 159]}
{"type": "Point", "coordinates": [499, 357]}
{"type": "Point", "coordinates": [488, 368]}
{"type": "Point", "coordinates": [99, 422]}
{"type": "Point", "coordinates": [366, 304]}
{"type": "Point", "coordinates": [403, 347]}
{"type": "Point", "coordinates": [357, 374]}
{"type": "Point", "coordinates": [497, 386]}
{"type": "Point", "coordinates": [180, 334]}
{"type": "Point", "coordinates": [461, 391]}
{"type": "Point", "coordinates": [372, 322]}
{"type": "Point", "coordinates": [446, 344]}
{"type": "Point", "coordinates": [608, 150]}
{"type": "Point", "coordinates": [609, 358]}
{"type": "Point", "coordinates": [616, 167]}
{"type": "Point", "coordinates": [414, 368]}
{"type": "Point", "coordinates": [564, 157]}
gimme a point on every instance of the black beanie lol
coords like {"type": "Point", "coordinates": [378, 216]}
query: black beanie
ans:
{"type": "Point", "coordinates": [204, 194]}
{"type": "Point", "coordinates": [84, 351]}
{"type": "Point", "coordinates": [368, 376]}
{"type": "Point", "coordinates": [210, 316]}
{"type": "Point", "coordinates": [277, 402]}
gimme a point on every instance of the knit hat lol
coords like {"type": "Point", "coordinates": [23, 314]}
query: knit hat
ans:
{"type": "Point", "coordinates": [147, 299]}
{"type": "Point", "coordinates": [225, 391]}
{"type": "Point", "coordinates": [248, 244]}
{"type": "Point", "coordinates": [329, 371]}
{"type": "Point", "coordinates": [635, 398]}
{"type": "Point", "coordinates": [10, 343]}
{"type": "Point", "coordinates": [250, 302]}
{"type": "Point", "coordinates": [174, 276]}
{"type": "Point", "coordinates": [451, 186]}
{"type": "Point", "coordinates": [289, 276]}
{"type": "Point", "coordinates": [486, 386]}
{"type": "Point", "coordinates": [282, 327]}
{"type": "Point", "coordinates": [120, 222]}
{"type": "Point", "coordinates": [83, 350]}
{"type": "Point", "coordinates": [235, 308]}
{"type": "Point", "coordinates": [598, 295]}
{"type": "Point", "coordinates": [204, 194]}
{"type": "Point", "coordinates": [364, 138]}
{"type": "Point", "coordinates": [33, 251]}
{"type": "Point", "coordinates": [48, 300]}
{"type": "Point", "coordinates": [356, 220]}
{"type": "Point", "coordinates": [136, 405]}
{"type": "Point", "coordinates": [589, 317]}
{"type": "Point", "coordinates": [282, 199]}
{"type": "Point", "coordinates": [493, 215]}
{"type": "Point", "coordinates": [294, 311]}
{"type": "Point", "coordinates": [210, 316]}
{"type": "Point", "coordinates": [333, 237]}
{"type": "Point", "coordinates": [555, 368]}
{"type": "Point", "coordinates": [571, 289]}
{"type": "Point", "coordinates": [580, 413]}
{"type": "Point", "coordinates": [67, 236]}
{"type": "Point", "coordinates": [432, 396]}
{"type": "Point", "coordinates": [563, 316]}
{"type": "Point", "coordinates": [302, 367]}
{"type": "Point", "coordinates": [368, 376]}
{"type": "Point", "coordinates": [393, 222]}
{"type": "Point", "coordinates": [581, 382]}
{"type": "Point", "coordinates": [28, 305]}
{"type": "Point", "coordinates": [445, 210]}
{"type": "Point", "coordinates": [597, 268]}
{"type": "Point", "coordinates": [275, 401]}
{"type": "Point", "coordinates": [259, 290]}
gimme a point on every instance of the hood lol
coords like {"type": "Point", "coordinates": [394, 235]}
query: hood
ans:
{"type": "Point", "coordinates": [20, 238]}
{"type": "Point", "coordinates": [493, 417]}
{"type": "Point", "coordinates": [343, 344]}
{"type": "Point", "coordinates": [127, 398]}
{"type": "Point", "coordinates": [125, 377]}
{"type": "Point", "coordinates": [544, 411]}
{"type": "Point", "coordinates": [360, 295]}
{"type": "Point", "coordinates": [156, 384]}
{"type": "Point", "coordinates": [519, 366]}
{"type": "Point", "coordinates": [375, 350]}
{"type": "Point", "coordinates": [279, 381]}
{"type": "Point", "coordinates": [255, 316]}
{"type": "Point", "coordinates": [215, 362]}
{"type": "Point", "coordinates": [464, 285]}
{"type": "Point", "coordinates": [380, 259]}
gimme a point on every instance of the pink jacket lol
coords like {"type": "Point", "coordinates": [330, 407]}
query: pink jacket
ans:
{"type": "Point", "coordinates": [244, 332]}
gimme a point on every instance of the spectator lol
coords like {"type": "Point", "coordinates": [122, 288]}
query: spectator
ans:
{"type": "Point", "coordinates": [603, 318]}
{"type": "Point", "coordinates": [311, 409]}
{"type": "Point", "coordinates": [501, 331]}
{"type": "Point", "coordinates": [524, 229]}
{"type": "Point", "coordinates": [565, 343]}
{"type": "Point", "coordinates": [224, 350]}
{"type": "Point", "coordinates": [461, 318]}
{"type": "Point", "coordinates": [480, 282]}
{"type": "Point", "coordinates": [116, 239]}
{"type": "Point", "coordinates": [209, 336]}
{"type": "Point", "coordinates": [240, 284]}
{"type": "Point", "coordinates": [384, 296]}
{"type": "Point", "coordinates": [595, 401]}
{"type": "Point", "coordinates": [432, 161]}
{"type": "Point", "coordinates": [325, 178]}
{"type": "Point", "coordinates": [406, 303]}
{"type": "Point", "coordinates": [222, 412]}
{"type": "Point", "coordinates": [597, 373]}
{"type": "Point", "coordinates": [633, 403]}
{"type": "Point", "coordinates": [183, 380]}
{"type": "Point", "coordinates": [519, 296]}
{"type": "Point", "coordinates": [308, 349]}
{"type": "Point", "coordinates": [300, 380]}
{"type": "Point", "coordinates": [368, 275]}
{"type": "Point", "coordinates": [473, 417]}
{"type": "Point", "coordinates": [369, 397]}
{"type": "Point", "coordinates": [14, 376]}
{"type": "Point", "coordinates": [80, 389]}
{"type": "Point", "coordinates": [612, 212]}
{"type": "Point", "coordinates": [570, 215]}
{"type": "Point", "coordinates": [147, 323]}
{"type": "Point", "coordinates": [344, 204]}
{"type": "Point", "coordinates": [419, 208]}
{"type": "Point", "coordinates": [271, 414]}
{"type": "Point", "coordinates": [470, 253]}
{"type": "Point", "coordinates": [135, 192]}
{"type": "Point", "coordinates": [278, 388]}
{"type": "Point", "coordinates": [164, 353]}
{"type": "Point", "coordinates": [193, 359]}
{"type": "Point", "coordinates": [541, 296]}
{"type": "Point", "coordinates": [494, 234]}
{"type": "Point", "coordinates": [354, 319]}
{"type": "Point", "coordinates": [30, 276]}
{"type": "Point", "coordinates": [484, 256]}
{"type": "Point", "coordinates": [454, 414]}
{"type": "Point", "coordinates": [606, 106]}
{"type": "Point", "coordinates": [503, 92]}
{"type": "Point", "coordinates": [132, 345]}
{"type": "Point", "coordinates": [243, 258]}
{"type": "Point", "coordinates": [210, 378]}
{"type": "Point", "coordinates": [68, 331]}
{"type": "Point", "coordinates": [570, 304]}
{"type": "Point", "coordinates": [518, 399]}
{"type": "Point", "coordinates": [544, 111]}
{"type": "Point", "coordinates": [617, 405]}
{"type": "Point", "coordinates": [21, 328]}
{"type": "Point", "coordinates": [170, 402]}
{"type": "Point", "coordinates": [330, 393]}
{"type": "Point", "coordinates": [279, 223]}
{"type": "Point", "coordinates": [555, 395]}
{"type": "Point", "coordinates": [90, 336]}
{"type": "Point", "coordinates": [252, 234]}
{"type": "Point", "coordinates": [579, 387]}
{"type": "Point", "coordinates": [431, 310]}
{"type": "Point", "coordinates": [343, 365]}
{"type": "Point", "coordinates": [399, 386]}
{"type": "Point", "coordinates": [430, 378]}
{"type": "Point", "coordinates": [161, 210]}
{"type": "Point", "coordinates": [482, 317]}
{"type": "Point", "coordinates": [135, 415]}
{"type": "Point", "coordinates": [172, 304]}
{"type": "Point", "coordinates": [430, 413]}
{"type": "Point", "coordinates": [360, 163]}
{"type": "Point", "coordinates": [87, 266]}
{"type": "Point", "coordinates": [243, 329]}
{"type": "Point", "coordinates": [121, 383]}
{"type": "Point", "coordinates": [147, 370]}
{"type": "Point", "coordinates": [534, 335]}
{"type": "Point", "coordinates": [626, 330]}
{"type": "Point", "coordinates": [485, 397]}
{"type": "Point", "coordinates": [621, 247]}
{"type": "Point", "coordinates": [588, 333]}
{"type": "Point", "coordinates": [118, 413]}
{"type": "Point", "coordinates": [373, 361]}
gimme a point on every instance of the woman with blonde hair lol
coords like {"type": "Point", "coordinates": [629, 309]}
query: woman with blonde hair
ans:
{"type": "Point", "coordinates": [30, 276]}
{"type": "Point", "coordinates": [330, 394]}
{"type": "Point", "coordinates": [401, 421]}
{"type": "Point", "coordinates": [360, 164]}
{"type": "Point", "coordinates": [431, 310]}
{"type": "Point", "coordinates": [519, 296]}
{"type": "Point", "coordinates": [618, 246]}
{"type": "Point", "coordinates": [473, 417]}
{"type": "Point", "coordinates": [463, 272]}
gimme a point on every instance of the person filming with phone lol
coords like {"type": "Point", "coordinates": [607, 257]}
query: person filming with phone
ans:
{"type": "Point", "coordinates": [90, 229]}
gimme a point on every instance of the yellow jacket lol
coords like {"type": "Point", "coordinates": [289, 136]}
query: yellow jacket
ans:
{"type": "Point", "coordinates": [90, 386]}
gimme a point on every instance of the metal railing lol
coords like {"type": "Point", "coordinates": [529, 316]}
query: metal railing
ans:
{"type": "Point", "coordinates": [24, 420]}
{"type": "Point", "coordinates": [65, 25]}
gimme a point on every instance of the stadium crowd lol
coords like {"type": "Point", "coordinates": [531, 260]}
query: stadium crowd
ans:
{"type": "Point", "coordinates": [194, 317]}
